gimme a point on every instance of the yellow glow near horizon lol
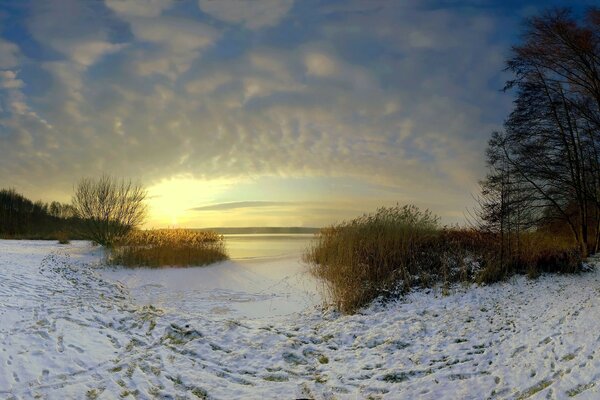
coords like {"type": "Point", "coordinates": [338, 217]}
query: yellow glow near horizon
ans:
{"type": "Point", "coordinates": [169, 202]}
{"type": "Point", "coordinates": [270, 201]}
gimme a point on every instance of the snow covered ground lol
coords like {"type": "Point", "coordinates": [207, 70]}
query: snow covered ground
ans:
{"type": "Point", "coordinates": [253, 329]}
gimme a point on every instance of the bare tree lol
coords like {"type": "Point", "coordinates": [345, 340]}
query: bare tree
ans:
{"type": "Point", "coordinates": [109, 207]}
{"type": "Point", "coordinates": [507, 206]}
{"type": "Point", "coordinates": [550, 148]}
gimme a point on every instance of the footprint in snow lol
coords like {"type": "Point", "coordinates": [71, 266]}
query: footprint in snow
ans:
{"type": "Point", "coordinates": [60, 347]}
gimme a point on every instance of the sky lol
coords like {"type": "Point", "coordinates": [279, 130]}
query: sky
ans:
{"type": "Point", "coordinates": [257, 112]}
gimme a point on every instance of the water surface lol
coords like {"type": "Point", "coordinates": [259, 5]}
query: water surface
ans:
{"type": "Point", "coordinates": [250, 246]}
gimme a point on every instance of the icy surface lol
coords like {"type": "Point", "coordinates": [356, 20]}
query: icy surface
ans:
{"type": "Point", "coordinates": [71, 328]}
{"type": "Point", "coordinates": [242, 288]}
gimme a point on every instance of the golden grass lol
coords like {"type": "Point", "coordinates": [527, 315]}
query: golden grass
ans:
{"type": "Point", "coordinates": [543, 252]}
{"type": "Point", "coordinates": [373, 255]}
{"type": "Point", "coordinates": [387, 253]}
{"type": "Point", "coordinates": [168, 247]}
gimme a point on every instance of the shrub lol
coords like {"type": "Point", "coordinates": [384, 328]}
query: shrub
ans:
{"type": "Point", "coordinates": [109, 208]}
{"type": "Point", "coordinates": [172, 247]}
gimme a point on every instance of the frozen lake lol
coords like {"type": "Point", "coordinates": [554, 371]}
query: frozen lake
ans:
{"type": "Point", "coordinates": [265, 277]}
{"type": "Point", "coordinates": [267, 245]}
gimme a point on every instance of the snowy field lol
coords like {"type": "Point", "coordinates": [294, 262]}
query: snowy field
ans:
{"type": "Point", "coordinates": [254, 329]}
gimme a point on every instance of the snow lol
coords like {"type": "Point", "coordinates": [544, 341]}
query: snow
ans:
{"type": "Point", "coordinates": [250, 287]}
{"type": "Point", "coordinates": [71, 328]}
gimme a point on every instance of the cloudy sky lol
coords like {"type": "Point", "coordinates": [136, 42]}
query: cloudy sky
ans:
{"type": "Point", "coordinates": [256, 112]}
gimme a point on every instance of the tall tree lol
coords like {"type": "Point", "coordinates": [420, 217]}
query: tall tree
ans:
{"type": "Point", "coordinates": [551, 141]}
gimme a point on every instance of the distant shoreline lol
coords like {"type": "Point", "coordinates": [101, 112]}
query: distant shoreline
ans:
{"type": "Point", "coordinates": [261, 230]}
{"type": "Point", "coordinates": [283, 230]}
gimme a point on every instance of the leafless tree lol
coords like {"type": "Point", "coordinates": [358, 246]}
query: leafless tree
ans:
{"type": "Point", "coordinates": [506, 205]}
{"type": "Point", "coordinates": [551, 144]}
{"type": "Point", "coordinates": [109, 207]}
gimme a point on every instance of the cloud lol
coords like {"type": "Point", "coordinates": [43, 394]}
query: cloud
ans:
{"type": "Point", "coordinates": [8, 80]}
{"type": "Point", "coordinates": [87, 53]}
{"type": "Point", "coordinates": [82, 34]}
{"type": "Point", "coordinates": [320, 64]}
{"type": "Point", "coordinates": [176, 41]}
{"type": "Point", "coordinates": [208, 84]}
{"type": "Point", "coordinates": [242, 204]}
{"type": "Point", "coordinates": [178, 34]}
{"type": "Point", "coordinates": [13, 102]}
{"type": "Point", "coordinates": [9, 54]}
{"type": "Point", "coordinates": [252, 14]}
{"type": "Point", "coordinates": [146, 8]}
{"type": "Point", "coordinates": [351, 90]}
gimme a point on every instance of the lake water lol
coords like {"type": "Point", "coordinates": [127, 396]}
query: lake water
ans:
{"type": "Point", "coordinates": [250, 246]}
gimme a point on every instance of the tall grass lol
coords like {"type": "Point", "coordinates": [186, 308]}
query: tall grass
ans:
{"type": "Point", "coordinates": [376, 254]}
{"type": "Point", "coordinates": [168, 247]}
{"type": "Point", "coordinates": [533, 253]}
{"type": "Point", "coordinates": [388, 252]}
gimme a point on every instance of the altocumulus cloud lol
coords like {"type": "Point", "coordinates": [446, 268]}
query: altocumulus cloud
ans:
{"type": "Point", "coordinates": [397, 93]}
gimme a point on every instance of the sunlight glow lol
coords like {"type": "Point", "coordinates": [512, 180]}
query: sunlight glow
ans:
{"type": "Point", "coordinates": [169, 201]}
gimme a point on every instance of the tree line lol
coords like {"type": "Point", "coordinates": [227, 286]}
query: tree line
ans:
{"type": "Point", "coordinates": [21, 217]}
{"type": "Point", "coordinates": [101, 210]}
{"type": "Point", "coordinates": [544, 166]}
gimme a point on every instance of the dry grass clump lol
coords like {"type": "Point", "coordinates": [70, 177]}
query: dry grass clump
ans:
{"type": "Point", "coordinates": [530, 253]}
{"type": "Point", "coordinates": [62, 237]}
{"type": "Point", "coordinates": [543, 252]}
{"type": "Point", "coordinates": [395, 249]}
{"type": "Point", "coordinates": [168, 247]}
{"type": "Point", "coordinates": [376, 254]}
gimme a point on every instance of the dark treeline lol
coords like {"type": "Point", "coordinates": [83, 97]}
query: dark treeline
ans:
{"type": "Point", "coordinates": [545, 165]}
{"type": "Point", "coordinates": [23, 218]}
{"type": "Point", "coordinates": [102, 210]}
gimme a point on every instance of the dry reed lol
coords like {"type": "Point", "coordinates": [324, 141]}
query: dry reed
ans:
{"type": "Point", "coordinates": [387, 253]}
{"type": "Point", "coordinates": [168, 247]}
{"type": "Point", "coordinates": [373, 255]}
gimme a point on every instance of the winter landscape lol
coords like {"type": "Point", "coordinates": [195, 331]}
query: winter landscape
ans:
{"type": "Point", "coordinates": [299, 199]}
{"type": "Point", "coordinates": [71, 328]}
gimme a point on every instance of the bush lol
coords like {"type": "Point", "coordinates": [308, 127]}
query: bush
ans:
{"type": "Point", "coordinates": [109, 208]}
{"type": "Point", "coordinates": [395, 249]}
{"type": "Point", "coordinates": [172, 247]}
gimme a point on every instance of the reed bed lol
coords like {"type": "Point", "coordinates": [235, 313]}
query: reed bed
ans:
{"type": "Point", "coordinates": [168, 247]}
{"type": "Point", "coordinates": [376, 254]}
{"type": "Point", "coordinates": [539, 251]}
{"type": "Point", "coordinates": [391, 251]}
